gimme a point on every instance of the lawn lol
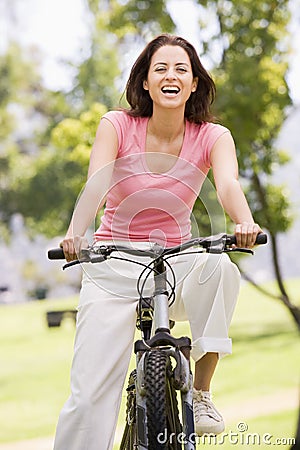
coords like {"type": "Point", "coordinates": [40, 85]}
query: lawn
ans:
{"type": "Point", "coordinates": [35, 363]}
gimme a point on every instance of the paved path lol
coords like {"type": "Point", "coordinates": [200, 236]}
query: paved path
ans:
{"type": "Point", "coordinates": [233, 414]}
{"type": "Point", "coordinates": [263, 406]}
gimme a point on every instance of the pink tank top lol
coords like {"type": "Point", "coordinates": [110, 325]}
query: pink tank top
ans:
{"type": "Point", "coordinates": [143, 205]}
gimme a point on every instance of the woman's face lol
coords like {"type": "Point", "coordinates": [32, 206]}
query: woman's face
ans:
{"type": "Point", "coordinates": [170, 79]}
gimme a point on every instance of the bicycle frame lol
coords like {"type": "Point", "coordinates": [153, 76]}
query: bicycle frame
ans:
{"type": "Point", "coordinates": [178, 349]}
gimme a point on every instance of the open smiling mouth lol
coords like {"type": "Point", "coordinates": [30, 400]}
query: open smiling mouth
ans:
{"type": "Point", "coordinates": [174, 90]}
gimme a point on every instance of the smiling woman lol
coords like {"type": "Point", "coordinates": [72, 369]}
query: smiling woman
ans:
{"type": "Point", "coordinates": [147, 165]}
{"type": "Point", "coordinates": [172, 62]}
{"type": "Point", "coordinates": [170, 76]}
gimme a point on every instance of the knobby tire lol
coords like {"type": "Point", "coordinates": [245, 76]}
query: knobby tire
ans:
{"type": "Point", "coordinates": [162, 405]}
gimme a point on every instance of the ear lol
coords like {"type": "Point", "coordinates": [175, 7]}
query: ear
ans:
{"type": "Point", "coordinates": [195, 84]}
{"type": "Point", "coordinates": [145, 85]}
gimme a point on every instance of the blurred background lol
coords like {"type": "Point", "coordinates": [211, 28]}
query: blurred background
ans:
{"type": "Point", "coordinates": [63, 64]}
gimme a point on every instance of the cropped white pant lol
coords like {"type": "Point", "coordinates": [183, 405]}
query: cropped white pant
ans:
{"type": "Point", "coordinates": [206, 295]}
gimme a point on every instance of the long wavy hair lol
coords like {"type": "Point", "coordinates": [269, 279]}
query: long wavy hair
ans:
{"type": "Point", "coordinates": [197, 107]}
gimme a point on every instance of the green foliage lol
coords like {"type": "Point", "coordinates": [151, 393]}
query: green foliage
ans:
{"type": "Point", "coordinates": [143, 17]}
{"type": "Point", "coordinates": [253, 101]}
{"type": "Point", "coordinates": [18, 80]}
{"type": "Point", "coordinates": [273, 211]}
{"type": "Point", "coordinates": [27, 113]}
{"type": "Point", "coordinates": [45, 189]}
{"type": "Point", "coordinates": [116, 27]}
{"type": "Point", "coordinates": [53, 106]}
{"type": "Point", "coordinates": [76, 136]}
{"type": "Point", "coordinates": [208, 214]}
{"type": "Point", "coordinates": [252, 92]}
{"type": "Point", "coordinates": [253, 96]}
{"type": "Point", "coordinates": [95, 81]}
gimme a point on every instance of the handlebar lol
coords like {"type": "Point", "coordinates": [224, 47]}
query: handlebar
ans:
{"type": "Point", "coordinates": [261, 239]}
{"type": "Point", "coordinates": [213, 244]}
{"type": "Point", "coordinates": [56, 253]}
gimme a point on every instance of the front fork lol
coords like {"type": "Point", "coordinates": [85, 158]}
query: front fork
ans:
{"type": "Point", "coordinates": [188, 417]}
{"type": "Point", "coordinates": [183, 381]}
{"type": "Point", "coordinates": [141, 406]}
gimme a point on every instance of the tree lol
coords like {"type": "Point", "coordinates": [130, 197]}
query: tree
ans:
{"type": "Point", "coordinates": [252, 101]}
{"type": "Point", "coordinates": [47, 186]}
{"type": "Point", "coordinates": [28, 111]}
{"type": "Point", "coordinates": [115, 28]}
{"type": "Point", "coordinates": [97, 74]}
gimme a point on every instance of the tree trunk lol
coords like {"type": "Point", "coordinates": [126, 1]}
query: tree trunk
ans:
{"type": "Point", "coordinates": [284, 297]}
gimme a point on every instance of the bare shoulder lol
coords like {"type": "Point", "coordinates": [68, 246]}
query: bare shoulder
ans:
{"type": "Point", "coordinates": [223, 146]}
{"type": "Point", "coordinates": [105, 147]}
{"type": "Point", "coordinates": [105, 129]}
{"type": "Point", "coordinates": [223, 158]}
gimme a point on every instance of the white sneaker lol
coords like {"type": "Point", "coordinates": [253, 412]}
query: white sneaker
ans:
{"type": "Point", "coordinates": [207, 419]}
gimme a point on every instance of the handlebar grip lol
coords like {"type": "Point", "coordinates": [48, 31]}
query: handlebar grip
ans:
{"type": "Point", "coordinates": [56, 253]}
{"type": "Point", "coordinates": [261, 239]}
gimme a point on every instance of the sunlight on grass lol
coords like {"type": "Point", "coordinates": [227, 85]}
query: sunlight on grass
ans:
{"type": "Point", "coordinates": [34, 372]}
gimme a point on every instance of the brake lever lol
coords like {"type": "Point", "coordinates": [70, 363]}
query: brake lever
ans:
{"type": "Point", "coordinates": [238, 249]}
{"type": "Point", "coordinates": [85, 257]}
{"type": "Point", "coordinates": [70, 264]}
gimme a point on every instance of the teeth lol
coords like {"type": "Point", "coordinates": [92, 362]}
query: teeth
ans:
{"type": "Point", "coordinates": [170, 89]}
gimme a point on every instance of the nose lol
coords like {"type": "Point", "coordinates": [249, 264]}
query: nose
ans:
{"type": "Point", "coordinates": [170, 74]}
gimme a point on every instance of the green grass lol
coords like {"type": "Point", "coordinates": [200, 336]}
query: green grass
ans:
{"type": "Point", "coordinates": [35, 363]}
{"type": "Point", "coordinates": [34, 371]}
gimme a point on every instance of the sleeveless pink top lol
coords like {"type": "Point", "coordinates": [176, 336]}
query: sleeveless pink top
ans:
{"type": "Point", "coordinates": [142, 205]}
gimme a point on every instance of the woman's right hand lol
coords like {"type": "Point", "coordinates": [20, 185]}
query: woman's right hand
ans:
{"type": "Point", "coordinates": [72, 246]}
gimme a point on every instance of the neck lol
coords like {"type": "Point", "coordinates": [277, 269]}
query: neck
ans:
{"type": "Point", "coordinates": [166, 125]}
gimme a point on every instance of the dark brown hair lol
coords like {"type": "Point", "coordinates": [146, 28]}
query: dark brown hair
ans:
{"type": "Point", "coordinates": [197, 107]}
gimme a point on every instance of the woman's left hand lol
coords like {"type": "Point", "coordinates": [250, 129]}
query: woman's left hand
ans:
{"type": "Point", "coordinates": [246, 233]}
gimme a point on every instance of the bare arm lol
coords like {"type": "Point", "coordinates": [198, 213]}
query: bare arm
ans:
{"type": "Point", "coordinates": [225, 171]}
{"type": "Point", "coordinates": [93, 196]}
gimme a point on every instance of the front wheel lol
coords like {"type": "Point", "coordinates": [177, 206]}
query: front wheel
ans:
{"type": "Point", "coordinates": [163, 422]}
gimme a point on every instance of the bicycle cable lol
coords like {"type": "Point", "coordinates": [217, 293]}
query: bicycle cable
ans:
{"type": "Point", "coordinates": [171, 284]}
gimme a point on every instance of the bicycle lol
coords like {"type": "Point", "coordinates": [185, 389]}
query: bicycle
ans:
{"type": "Point", "coordinates": [153, 421]}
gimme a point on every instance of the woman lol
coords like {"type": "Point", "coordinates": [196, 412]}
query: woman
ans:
{"type": "Point", "coordinates": [148, 164]}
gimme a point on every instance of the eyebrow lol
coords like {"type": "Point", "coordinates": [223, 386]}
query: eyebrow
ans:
{"type": "Point", "coordinates": [177, 64]}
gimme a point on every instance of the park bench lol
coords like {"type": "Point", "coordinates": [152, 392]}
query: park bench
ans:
{"type": "Point", "coordinates": [54, 318]}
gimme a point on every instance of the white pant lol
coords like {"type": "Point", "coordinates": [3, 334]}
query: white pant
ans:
{"type": "Point", "coordinates": [206, 295]}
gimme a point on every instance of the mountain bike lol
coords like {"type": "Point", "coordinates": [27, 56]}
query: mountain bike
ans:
{"type": "Point", "coordinates": [154, 420]}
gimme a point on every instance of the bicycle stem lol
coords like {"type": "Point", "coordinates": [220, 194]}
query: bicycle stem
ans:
{"type": "Point", "coordinates": [160, 298]}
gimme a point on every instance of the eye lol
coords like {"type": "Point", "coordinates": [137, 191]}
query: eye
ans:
{"type": "Point", "coordinates": [160, 69]}
{"type": "Point", "coordinates": [182, 69]}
